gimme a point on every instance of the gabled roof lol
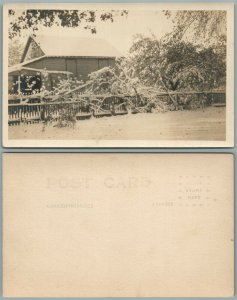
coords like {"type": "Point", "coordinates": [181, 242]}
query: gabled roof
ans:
{"type": "Point", "coordinates": [73, 46]}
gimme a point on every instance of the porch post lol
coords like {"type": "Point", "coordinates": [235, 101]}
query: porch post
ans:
{"type": "Point", "coordinates": [19, 84]}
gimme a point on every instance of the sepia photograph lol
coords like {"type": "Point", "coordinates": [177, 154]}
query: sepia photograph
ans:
{"type": "Point", "coordinates": [118, 75]}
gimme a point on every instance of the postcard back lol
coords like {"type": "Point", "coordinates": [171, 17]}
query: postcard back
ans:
{"type": "Point", "coordinates": [118, 225]}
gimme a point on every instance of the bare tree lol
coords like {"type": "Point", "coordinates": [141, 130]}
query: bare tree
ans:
{"type": "Point", "coordinates": [202, 25]}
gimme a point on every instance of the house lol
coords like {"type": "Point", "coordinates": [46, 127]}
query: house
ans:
{"type": "Point", "coordinates": [61, 55]}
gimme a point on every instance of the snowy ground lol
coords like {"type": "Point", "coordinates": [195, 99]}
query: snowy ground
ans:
{"type": "Point", "coordinates": [176, 125]}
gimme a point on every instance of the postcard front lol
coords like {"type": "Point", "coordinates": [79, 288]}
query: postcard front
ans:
{"type": "Point", "coordinates": [118, 75]}
{"type": "Point", "coordinates": [118, 225]}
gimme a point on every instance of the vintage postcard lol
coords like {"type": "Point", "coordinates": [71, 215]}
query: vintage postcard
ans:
{"type": "Point", "coordinates": [118, 225]}
{"type": "Point", "coordinates": [118, 75]}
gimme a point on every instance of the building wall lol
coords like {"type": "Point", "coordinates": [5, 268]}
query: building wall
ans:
{"type": "Point", "coordinates": [79, 66]}
{"type": "Point", "coordinates": [85, 66]}
{"type": "Point", "coordinates": [50, 63]}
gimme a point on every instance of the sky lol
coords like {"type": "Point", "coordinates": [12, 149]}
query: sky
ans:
{"type": "Point", "coordinates": [120, 33]}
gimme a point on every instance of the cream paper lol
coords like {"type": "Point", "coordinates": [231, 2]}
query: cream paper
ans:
{"type": "Point", "coordinates": [118, 225]}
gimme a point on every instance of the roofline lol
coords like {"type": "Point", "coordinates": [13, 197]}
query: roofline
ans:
{"type": "Point", "coordinates": [25, 49]}
{"type": "Point", "coordinates": [19, 68]}
{"type": "Point", "coordinates": [83, 56]}
{"type": "Point", "coordinates": [27, 62]}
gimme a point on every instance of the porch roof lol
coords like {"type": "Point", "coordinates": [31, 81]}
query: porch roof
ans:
{"type": "Point", "coordinates": [20, 67]}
